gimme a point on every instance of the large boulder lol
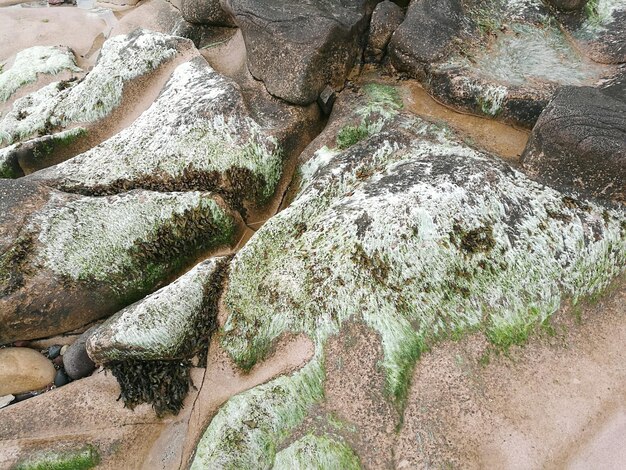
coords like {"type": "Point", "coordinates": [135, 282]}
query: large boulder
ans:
{"type": "Point", "coordinates": [200, 134]}
{"type": "Point", "coordinates": [416, 236]}
{"type": "Point", "coordinates": [579, 142]}
{"type": "Point", "coordinates": [386, 18]}
{"type": "Point", "coordinates": [66, 260]}
{"type": "Point", "coordinates": [296, 47]}
{"type": "Point", "coordinates": [427, 34]}
{"type": "Point", "coordinates": [504, 60]}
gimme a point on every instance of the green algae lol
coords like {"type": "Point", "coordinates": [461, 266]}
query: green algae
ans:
{"type": "Point", "coordinates": [82, 459]}
{"type": "Point", "coordinates": [317, 453]}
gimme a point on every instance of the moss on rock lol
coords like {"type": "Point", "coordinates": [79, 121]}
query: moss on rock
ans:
{"type": "Point", "coordinates": [81, 459]}
{"type": "Point", "coordinates": [317, 453]}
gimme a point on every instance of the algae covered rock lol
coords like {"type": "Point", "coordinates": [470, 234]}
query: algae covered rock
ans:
{"type": "Point", "coordinates": [198, 134]}
{"type": "Point", "coordinates": [167, 324]}
{"type": "Point", "coordinates": [579, 142]}
{"type": "Point", "coordinates": [67, 259]}
{"type": "Point", "coordinates": [63, 104]}
{"type": "Point", "coordinates": [502, 59]}
{"type": "Point", "coordinates": [419, 237]}
{"type": "Point", "coordinates": [34, 61]}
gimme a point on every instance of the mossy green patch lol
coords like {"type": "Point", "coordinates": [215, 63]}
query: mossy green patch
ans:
{"type": "Point", "coordinates": [82, 459]}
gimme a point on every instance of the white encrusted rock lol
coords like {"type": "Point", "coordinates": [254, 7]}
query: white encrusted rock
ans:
{"type": "Point", "coordinates": [164, 325]}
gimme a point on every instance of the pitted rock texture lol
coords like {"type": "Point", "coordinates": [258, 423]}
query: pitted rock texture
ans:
{"type": "Point", "coordinates": [386, 18]}
{"type": "Point", "coordinates": [206, 12]}
{"type": "Point", "coordinates": [66, 260]}
{"type": "Point", "coordinates": [298, 47]}
{"type": "Point", "coordinates": [198, 135]}
{"type": "Point", "coordinates": [418, 236]}
{"type": "Point", "coordinates": [579, 142]}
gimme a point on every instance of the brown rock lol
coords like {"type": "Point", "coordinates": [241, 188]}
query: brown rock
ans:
{"type": "Point", "coordinates": [23, 369]}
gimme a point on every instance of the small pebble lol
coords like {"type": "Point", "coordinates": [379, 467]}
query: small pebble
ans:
{"type": "Point", "coordinates": [63, 349]}
{"type": "Point", "coordinates": [54, 351]}
{"type": "Point", "coordinates": [58, 361]}
{"type": "Point", "coordinates": [61, 378]}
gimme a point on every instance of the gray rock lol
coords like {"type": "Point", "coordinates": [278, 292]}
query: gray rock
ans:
{"type": "Point", "coordinates": [298, 47]}
{"type": "Point", "coordinates": [76, 361]}
{"type": "Point", "coordinates": [206, 12]}
{"type": "Point", "coordinates": [386, 18]}
{"type": "Point", "coordinates": [61, 378]}
{"type": "Point", "coordinates": [579, 142]}
{"type": "Point", "coordinates": [426, 35]}
{"type": "Point", "coordinates": [568, 5]}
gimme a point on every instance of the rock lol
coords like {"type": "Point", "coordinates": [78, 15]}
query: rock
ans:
{"type": "Point", "coordinates": [426, 35]}
{"type": "Point", "coordinates": [298, 48]}
{"type": "Point", "coordinates": [199, 134]}
{"type": "Point", "coordinates": [6, 400]}
{"type": "Point", "coordinates": [61, 105]}
{"type": "Point", "coordinates": [61, 378]}
{"type": "Point", "coordinates": [166, 325]}
{"type": "Point", "coordinates": [418, 236]}
{"type": "Point", "coordinates": [326, 100]}
{"type": "Point", "coordinates": [503, 59]}
{"type": "Point", "coordinates": [579, 142]}
{"type": "Point", "coordinates": [58, 361]}
{"type": "Point", "coordinates": [54, 351]}
{"type": "Point", "coordinates": [386, 18]}
{"type": "Point", "coordinates": [568, 5]}
{"type": "Point", "coordinates": [31, 62]}
{"type": "Point", "coordinates": [64, 349]}
{"type": "Point", "coordinates": [317, 451]}
{"type": "Point", "coordinates": [206, 12]}
{"type": "Point", "coordinates": [22, 370]}
{"type": "Point", "coordinates": [66, 259]}
{"type": "Point", "coordinates": [76, 361]}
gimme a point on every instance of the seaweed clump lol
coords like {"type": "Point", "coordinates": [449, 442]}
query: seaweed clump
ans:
{"type": "Point", "coordinates": [165, 383]}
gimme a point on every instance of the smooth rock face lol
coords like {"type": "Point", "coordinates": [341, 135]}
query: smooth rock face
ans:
{"type": "Point", "coordinates": [386, 18]}
{"type": "Point", "coordinates": [418, 236]}
{"type": "Point", "coordinates": [66, 260]}
{"type": "Point", "coordinates": [164, 325]}
{"type": "Point", "coordinates": [206, 12]}
{"type": "Point", "coordinates": [579, 142]}
{"type": "Point", "coordinates": [298, 47]}
{"type": "Point", "coordinates": [76, 361]}
{"type": "Point", "coordinates": [23, 370]}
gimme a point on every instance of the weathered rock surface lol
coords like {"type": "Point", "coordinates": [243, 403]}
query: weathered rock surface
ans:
{"type": "Point", "coordinates": [165, 325]}
{"type": "Point", "coordinates": [199, 134]}
{"type": "Point", "coordinates": [23, 370]}
{"type": "Point", "coordinates": [568, 5]}
{"type": "Point", "coordinates": [62, 105]}
{"type": "Point", "coordinates": [386, 18]}
{"type": "Point", "coordinates": [34, 61]}
{"type": "Point", "coordinates": [206, 12]}
{"type": "Point", "coordinates": [66, 260]}
{"type": "Point", "coordinates": [579, 142]}
{"type": "Point", "coordinates": [76, 361]}
{"type": "Point", "coordinates": [501, 59]}
{"type": "Point", "coordinates": [417, 236]}
{"type": "Point", "coordinates": [297, 47]}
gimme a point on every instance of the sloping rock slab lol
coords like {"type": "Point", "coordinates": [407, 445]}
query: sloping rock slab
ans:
{"type": "Point", "coordinates": [199, 134]}
{"type": "Point", "coordinates": [298, 47]}
{"type": "Point", "coordinates": [165, 325]}
{"type": "Point", "coordinates": [66, 260]}
{"type": "Point", "coordinates": [579, 142]}
{"type": "Point", "coordinates": [419, 237]}
{"type": "Point", "coordinates": [61, 105]}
